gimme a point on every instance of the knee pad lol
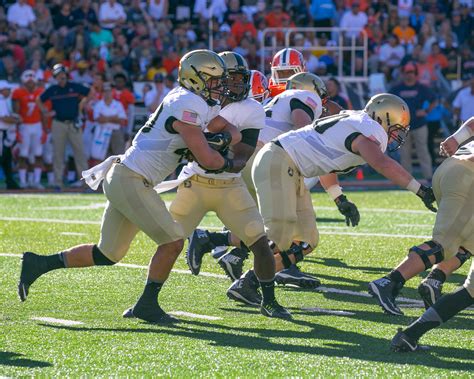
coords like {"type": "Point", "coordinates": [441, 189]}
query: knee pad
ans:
{"type": "Point", "coordinates": [99, 258]}
{"type": "Point", "coordinates": [463, 255]}
{"type": "Point", "coordinates": [435, 249]}
{"type": "Point", "coordinates": [296, 250]}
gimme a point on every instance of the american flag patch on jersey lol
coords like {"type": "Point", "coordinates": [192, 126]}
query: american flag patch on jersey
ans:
{"type": "Point", "coordinates": [189, 116]}
{"type": "Point", "coordinates": [311, 103]}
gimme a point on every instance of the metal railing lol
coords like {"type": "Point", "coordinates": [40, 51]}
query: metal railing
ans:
{"type": "Point", "coordinates": [343, 44]}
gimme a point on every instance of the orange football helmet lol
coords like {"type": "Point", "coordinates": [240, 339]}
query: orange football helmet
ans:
{"type": "Point", "coordinates": [286, 63]}
{"type": "Point", "coordinates": [258, 86]}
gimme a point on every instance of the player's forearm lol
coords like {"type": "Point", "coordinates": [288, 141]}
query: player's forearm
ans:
{"type": "Point", "coordinates": [465, 132]}
{"type": "Point", "coordinates": [330, 183]}
{"type": "Point", "coordinates": [395, 172]}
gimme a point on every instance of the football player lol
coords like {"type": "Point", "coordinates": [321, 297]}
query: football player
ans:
{"type": "Point", "coordinates": [453, 232]}
{"type": "Point", "coordinates": [336, 143]}
{"type": "Point", "coordinates": [31, 131]}
{"type": "Point", "coordinates": [128, 182]}
{"type": "Point", "coordinates": [453, 183]}
{"type": "Point", "coordinates": [296, 107]}
{"type": "Point", "coordinates": [225, 193]}
{"type": "Point", "coordinates": [285, 63]}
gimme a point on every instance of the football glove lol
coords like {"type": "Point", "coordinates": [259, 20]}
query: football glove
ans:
{"type": "Point", "coordinates": [228, 165]}
{"type": "Point", "coordinates": [218, 141]}
{"type": "Point", "coordinates": [184, 155]}
{"type": "Point", "coordinates": [348, 209]}
{"type": "Point", "coordinates": [427, 196]}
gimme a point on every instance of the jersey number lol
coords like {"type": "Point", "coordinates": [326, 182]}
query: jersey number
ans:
{"type": "Point", "coordinates": [325, 123]}
{"type": "Point", "coordinates": [31, 108]}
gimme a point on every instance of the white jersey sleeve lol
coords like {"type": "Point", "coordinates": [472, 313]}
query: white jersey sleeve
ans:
{"type": "Point", "coordinates": [155, 151]}
{"type": "Point", "coordinates": [278, 112]}
{"type": "Point", "coordinates": [326, 145]}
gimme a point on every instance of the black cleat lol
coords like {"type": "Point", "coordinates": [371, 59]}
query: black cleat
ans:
{"type": "Point", "coordinates": [152, 313]}
{"type": "Point", "coordinates": [385, 292]}
{"type": "Point", "coordinates": [430, 291]}
{"type": "Point", "coordinates": [401, 343]}
{"type": "Point", "coordinates": [233, 262]}
{"type": "Point", "coordinates": [293, 275]}
{"type": "Point", "coordinates": [245, 290]}
{"type": "Point", "coordinates": [273, 309]}
{"type": "Point", "coordinates": [32, 267]}
{"type": "Point", "coordinates": [199, 244]}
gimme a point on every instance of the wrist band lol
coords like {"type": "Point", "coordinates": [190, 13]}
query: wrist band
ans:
{"type": "Point", "coordinates": [334, 191]}
{"type": "Point", "coordinates": [462, 134]}
{"type": "Point", "coordinates": [414, 186]}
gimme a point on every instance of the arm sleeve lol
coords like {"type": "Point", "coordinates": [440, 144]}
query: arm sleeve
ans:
{"type": "Point", "coordinates": [255, 117]}
{"type": "Point", "coordinates": [250, 136]}
{"type": "Point", "coordinates": [45, 95]}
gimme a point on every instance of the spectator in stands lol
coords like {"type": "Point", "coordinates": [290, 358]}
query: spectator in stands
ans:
{"type": "Point", "coordinates": [111, 14]}
{"type": "Point", "coordinates": [206, 9]}
{"type": "Point", "coordinates": [99, 36]}
{"type": "Point", "coordinates": [82, 74]}
{"type": "Point", "coordinates": [461, 29]}
{"type": "Point", "coordinates": [435, 120]}
{"type": "Point", "coordinates": [323, 13]}
{"type": "Point", "coordinates": [427, 37]}
{"type": "Point", "coordinates": [420, 100]}
{"type": "Point", "coordinates": [243, 27]}
{"type": "Point", "coordinates": [334, 91]}
{"type": "Point", "coordinates": [44, 21]}
{"type": "Point", "coordinates": [445, 32]}
{"type": "Point", "coordinates": [156, 67]}
{"type": "Point", "coordinates": [170, 82]}
{"type": "Point", "coordinates": [277, 18]}
{"type": "Point", "coordinates": [154, 97]}
{"type": "Point", "coordinates": [437, 59]}
{"type": "Point", "coordinates": [405, 33]}
{"type": "Point", "coordinates": [126, 98]}
{"type": "Point", "coordinates": [463, 103]}
{"type": "Point", "coordinates": [84, 13]}
{"type": "Point", "coordinates": [417, 18]}
{"type": "Point", "coordinates": [21, 15]}
{"type": "Point", "coordinates": [158, 9]}
{"type": "Point", "coordinates": [233, 12]}
{"type": "Point", "coordinates": [8, 121]}
{"type": "Point", "coordinates": [391, 54]}
{"type": "Point", "coordinates": [355, 19]}
{"type": "Point", "coordinates": [65, 97]}
{"type": "Point", "coordinates": [64, 18]}
{"type": "Point", "coordinates": [111, 120]}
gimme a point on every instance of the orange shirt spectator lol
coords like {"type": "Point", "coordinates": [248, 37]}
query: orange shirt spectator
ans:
{"type": "Point", "coordinates": [363, 4]}
{"type": "Point", "coordinates": [405, 33]}
{"type": "Point", "coordinates": [243, 26]}
{"type": "Point", "coordinates": [274, 19]}
{"type": "Point", "coordinates": [171, 61]}
{"type": "Point", "coordinates": [437, 58]}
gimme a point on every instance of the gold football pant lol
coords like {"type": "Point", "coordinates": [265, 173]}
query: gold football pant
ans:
{"type": "Point", "coordinates": [284, 201]}
{"type": "Point", "coordinates": [133, 205]}
{"type": "Point", "coordinates": [453, 186]}
{"type": "Point", "coordinates": [469, 283]}
{"type": "Point", "coordinates": [229, 198]}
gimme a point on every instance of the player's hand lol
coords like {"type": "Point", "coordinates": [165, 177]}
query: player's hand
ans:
{"type": "Point", "coordinates": [448, 147]}
{"type": "Point", "coordinates": [228, 165]}
{"type": "Point", "coordinates": [218, 141]}
{"type": "Point", "coordinates": [348, 209]}
{"type": "Point", "coordinates": [427, 196]}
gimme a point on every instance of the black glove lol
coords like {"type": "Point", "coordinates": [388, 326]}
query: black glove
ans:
{"type": "Point", "coordinates": [348, 209]}
{"type": "Point", "coordinates": [218, 141]}
{"type": "Point", "coordinates": [228, 165]}
{"type": "Point", "coordinates": [427, 196]}
{"type": "Point", "coordinates": [184, 155]}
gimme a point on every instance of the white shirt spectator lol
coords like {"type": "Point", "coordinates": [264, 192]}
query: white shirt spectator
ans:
{"type": "Point", "coordinates": [158, 9]}
{"type": "Point", "coordinates": [111, 10]}
{"type": "Point", "coordinates": [404, 8]}
{"type": "Point", "coordinates": [152, 97]}
{"type": "Point", "coordinates": [5, 110]}
{"type": "Point", "coordinates": [351, 20]}
{"type": "Point", "coordinates": [391, 55]}
{"type": "Point", "coordinates": [465, 102]}
{"type": "Point", "coordinates": [21, 14]}
{"type": "Point", "coordinates": [115, 108]}
{"type": "Point", "coordinates": [217, 9]}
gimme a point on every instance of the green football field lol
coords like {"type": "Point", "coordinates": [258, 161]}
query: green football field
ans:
{"type": "Point", "coordinates": [71, 324]}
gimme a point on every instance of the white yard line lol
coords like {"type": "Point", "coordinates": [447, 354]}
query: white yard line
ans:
{"type": "Point", "coordinates": [72, 234]}
{"type": "Point", "coordinates": [382, 210]}
{"type": "Point", "coordinates": [416, 225]}
{"type": "Point", "coordinates": [186, 272]}
{"type": "Point", "coordinates": [194, 315]}
{"type": "Point", "coordinates": [85, 222]}
{"type": "Point", "coordinates": [75, 207]}
{"type": "Point", "coordinates": [58, 321]}
{"type": "Point", "coordinates": [329, 311]}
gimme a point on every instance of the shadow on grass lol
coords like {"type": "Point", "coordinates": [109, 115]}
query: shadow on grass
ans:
{"type": "Point", "coordinates": [329, 219]}
{"type": "Point", "coordinates": [8, 358]}
{"type": "Point", "coordinates": [331, 342]}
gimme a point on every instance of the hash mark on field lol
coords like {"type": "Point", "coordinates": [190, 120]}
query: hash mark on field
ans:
{"type": "Point", "coordinates": [58, 321]}
{"type": "Point", "coordinates": [194, 315]}
{"type": "Point", "coordinates": [329, 311]}
{"type": "Point", "coordinates": [73, 234]}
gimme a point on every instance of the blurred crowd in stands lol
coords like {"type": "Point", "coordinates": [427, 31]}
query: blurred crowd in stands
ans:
{"type": "Point", "coordinates": [109, 45]}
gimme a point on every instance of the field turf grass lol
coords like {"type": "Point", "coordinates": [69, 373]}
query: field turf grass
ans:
{"type": "Point", "coordinates": [237, 341]}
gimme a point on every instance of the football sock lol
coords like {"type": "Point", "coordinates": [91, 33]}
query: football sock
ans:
{"type": "Point", "coordinates": [50, 176]}
{"type": "Point", "coordinates": [445, 308]}
{"type": "Point", "coordinates": [437, 274]}
{"type": "Point", "coordinates": [37, 175]}
{"type": "Point", "coordinates": [22, 176]}
{"type": "Point", "coordinates": [268, 290]}
{"type": "Point", "coordinates": [55, 261]}
{"type": "Point", "coordinates": [396, 277]}
{"type": "Point", "coordinates": [220, 238]}
{"type": "Point", "coordinates": [151, 291]}
{"type": "Point", "coordinates": [30, 177]}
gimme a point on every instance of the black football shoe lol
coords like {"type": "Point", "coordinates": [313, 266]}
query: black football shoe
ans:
{"type": "Point", "coordinates": [150, 313]}
{"type": "Point", "coordinates": [199, 244]}
{"type": "Point", "coordinates": [233, 262]}
{"type": "Point", "coordinates": [245, 290]}
{"type": "Point", "coordinates": [401, 343]}
{"type": "Point", "coordinates": [274, 309]}
{"type": "Point", "coordinates": [293, 275]}
{"type": "Point", "coordinates": [430, 291]}
{"type": "Point", "coordinates": [385, 291]}
{"type": "Point", "coordinates": [32, 267]}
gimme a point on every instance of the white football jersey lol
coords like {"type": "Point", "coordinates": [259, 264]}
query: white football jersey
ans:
{"type": "Point", "coordinates": [245, 114]}
{"type": "Point", "coordinates": [153, 151]}
{"type": "Point", "coordinates": [325, 146]}
{"type": "Point", "coordinates": [278, 112]}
